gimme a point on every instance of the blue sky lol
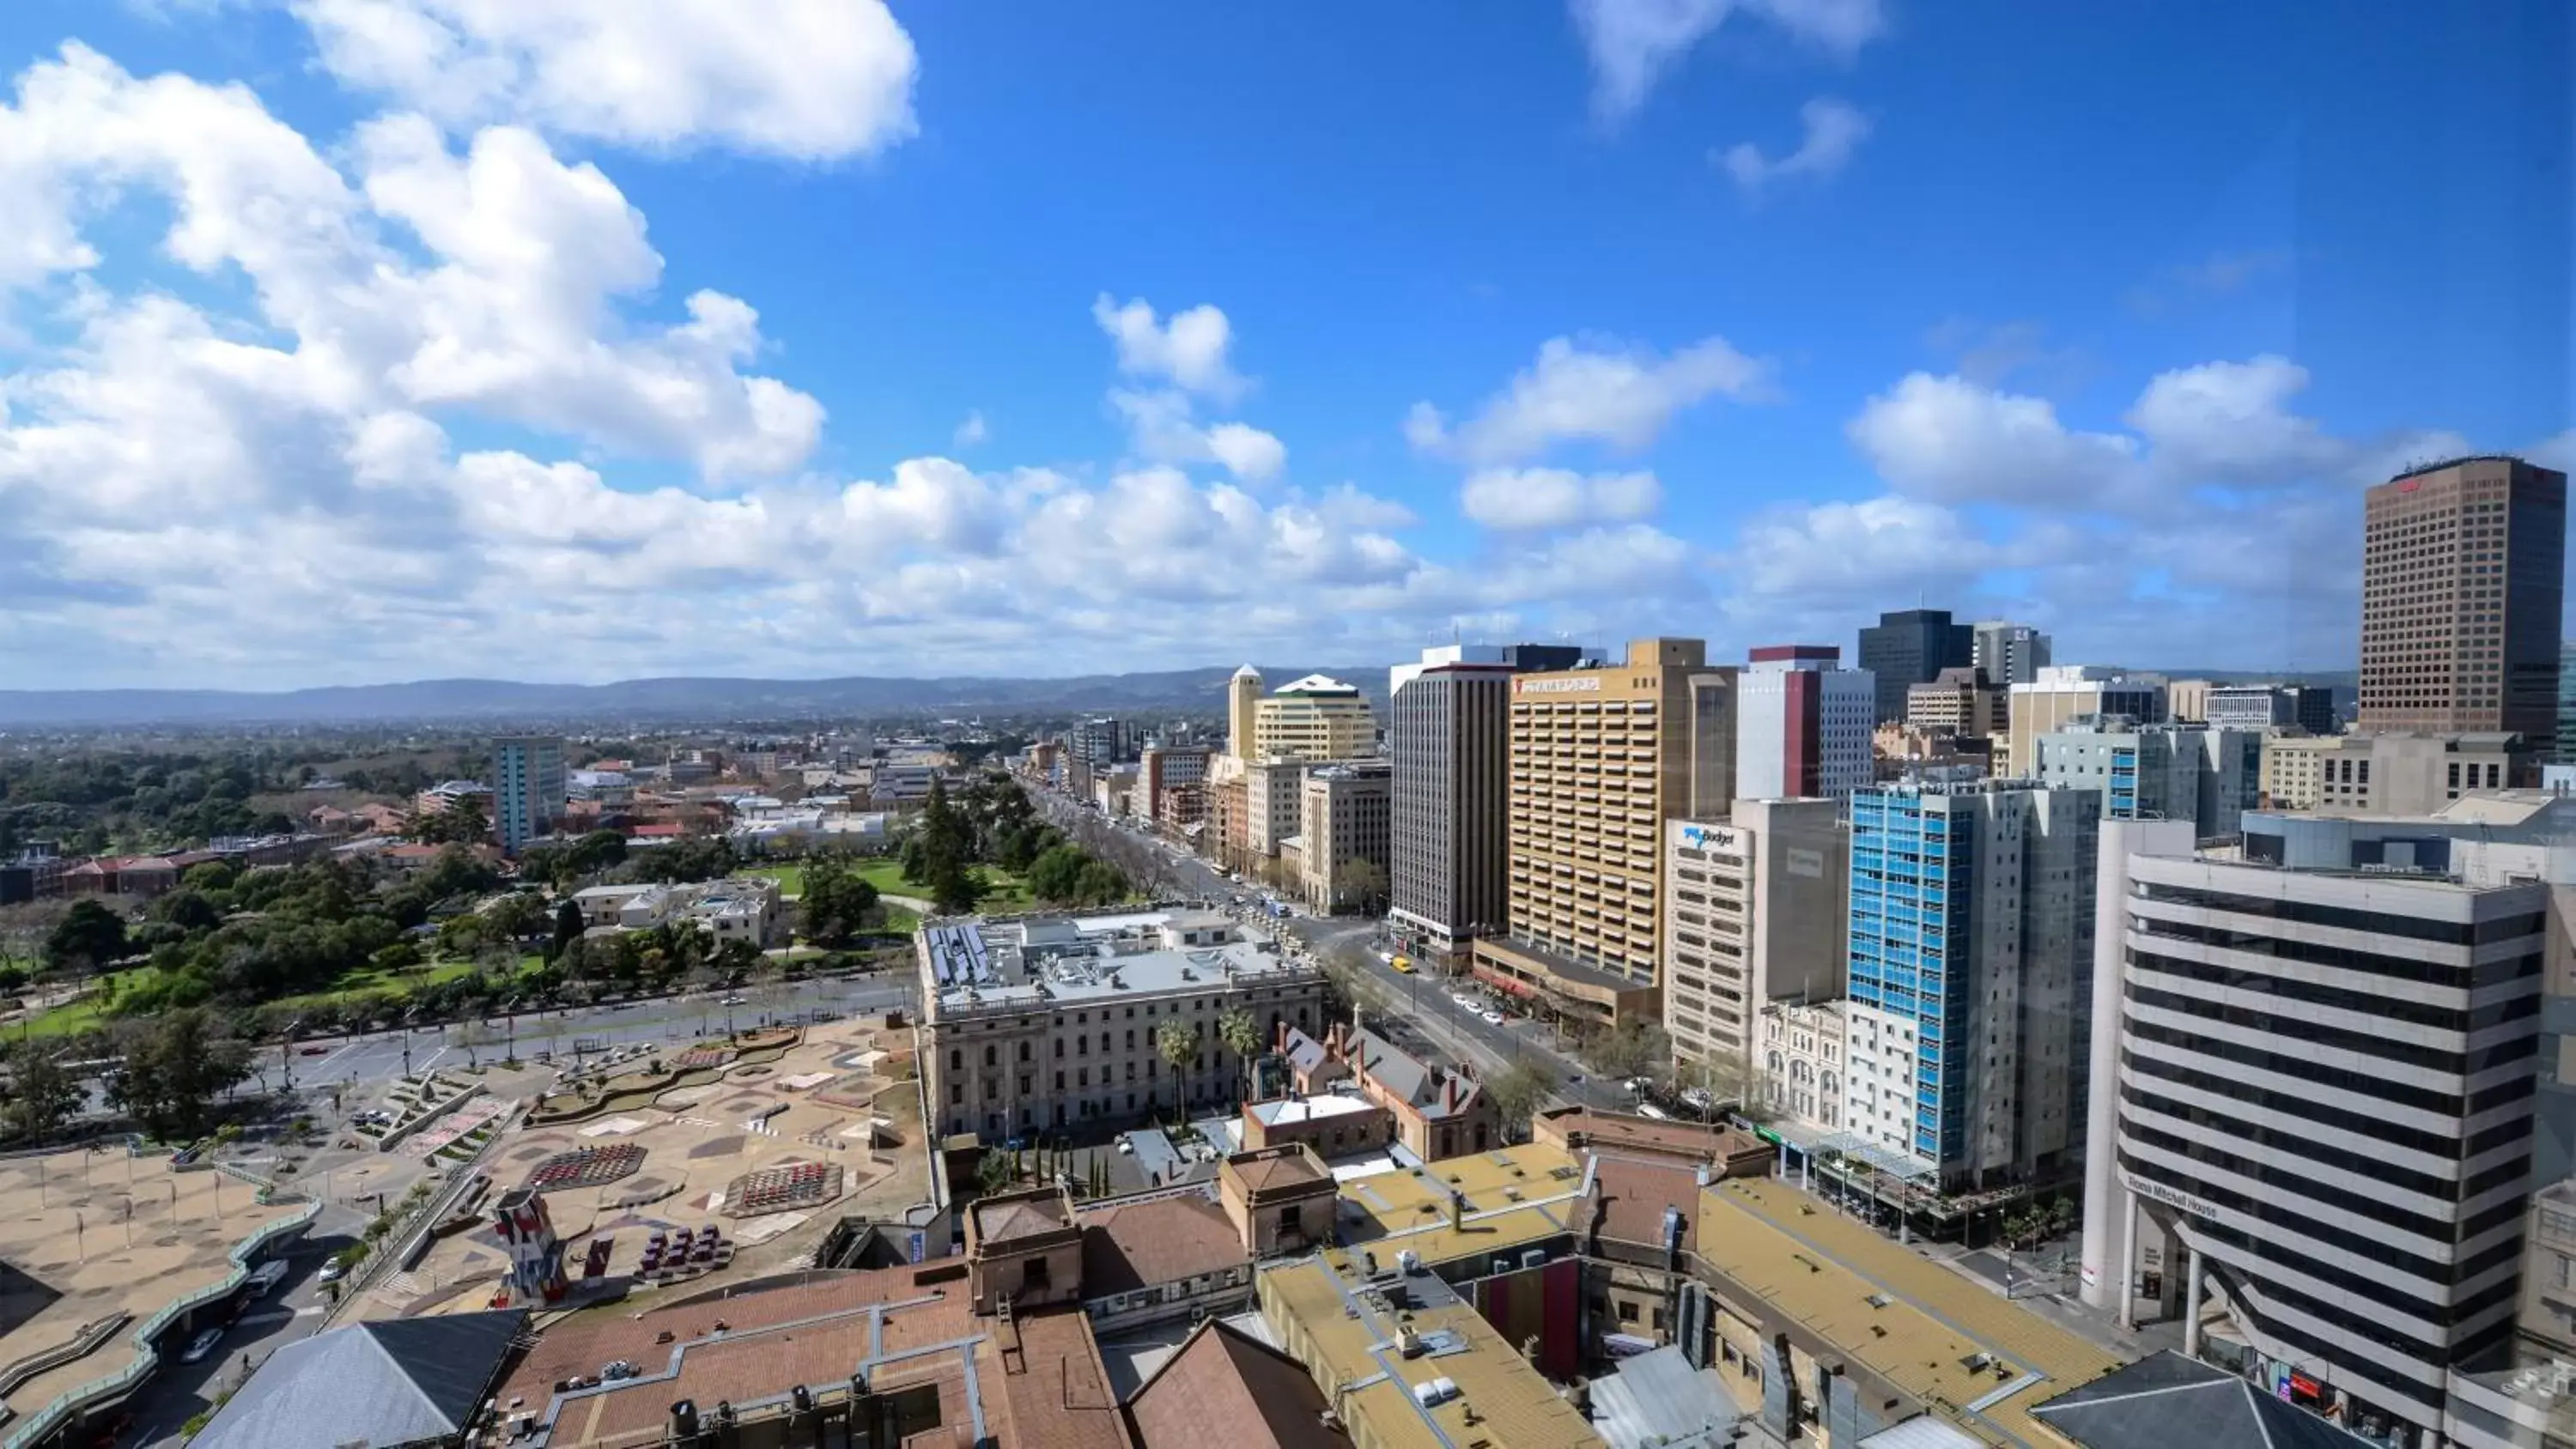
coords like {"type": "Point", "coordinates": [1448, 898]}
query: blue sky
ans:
{"type": "Point", "coordinates": [353, 340]}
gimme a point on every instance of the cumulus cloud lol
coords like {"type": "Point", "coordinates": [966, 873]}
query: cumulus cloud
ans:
{"type": "Point", "coordinates": [1614, 393]}
{"type": "Point", "coordinates": [1523, 499]}
{"type": "Point", "coordinates": [1951, 440]}
{"type": "Point", "coordinates": [1162, 427]}
{"type": "Point", "coordinates": [1187, 350]}
{"type": "Point", "coordinates": [1632, 43]}
{"type": "Point", "coordinates": [812, 80]}
{"type": "Point", "coordinates": [971, 432]}
{"type": "Point", "coordinates": [1832, 131]}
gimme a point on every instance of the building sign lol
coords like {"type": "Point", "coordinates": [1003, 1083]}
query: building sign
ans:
{"type": "Point", "coordinates": [1808, 863]}
{"type": "Point", "coordinates": [1724, 839]}
{"type": "Point", "coordinates": [1570, 684]}
{"type": "Point", "coordinates": [2171, 1197]}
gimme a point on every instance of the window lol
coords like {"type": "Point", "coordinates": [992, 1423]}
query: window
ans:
{"type": "Point", "coordinates": [992, 1058]}
{"type": "Point", "coordinates": [957, 1094]}
{"type": "Point", "coordinates": [1024, 1051]}
{"type": "Point", "coordinates": [956, 1059]}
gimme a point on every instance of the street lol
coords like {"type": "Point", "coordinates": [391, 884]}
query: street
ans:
{"type": "Point", "coordinates": [178, 1391]}
{"type": "Point", "coordinates": [1442, 1024]}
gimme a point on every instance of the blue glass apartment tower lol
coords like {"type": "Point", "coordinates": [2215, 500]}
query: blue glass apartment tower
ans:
{"type": "Point", "coordinates": [1971, 939]}
{"type": "Point", "coordinates": [527, 788]}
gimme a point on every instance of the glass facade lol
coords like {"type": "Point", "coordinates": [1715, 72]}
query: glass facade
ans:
{"type": "Point", "coordinates": [1912, 859]}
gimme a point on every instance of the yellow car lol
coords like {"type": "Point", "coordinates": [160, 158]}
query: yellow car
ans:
{"type": "Point", "coordinates": [1401, 966]}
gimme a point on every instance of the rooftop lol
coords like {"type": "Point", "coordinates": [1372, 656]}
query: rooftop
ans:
{"type": "Point", "coordinates": [1130, 1244]}
{"type": "Point", "coordinates": [2169, 1399]}
{"type": "Point", "coordinates": [1221, 1375]}
{"type": "Point", "coordinates": [1509, 1198]}
{"type": "Point", "coordinates": [1029, 1214]}
{"type": "Point", "coordinates": [1288, 1111]}
{"type": "Point", "coordinates": [1936, 1337]}
{"type": "Point", "coordinates": [1317, 684]}
{"type": "Point", "coordinates": [1039, 963]}
{"type": "Point", "coordinates": [396, 1382]}
{"type": "Point", "coordinates": [1344, 1328]}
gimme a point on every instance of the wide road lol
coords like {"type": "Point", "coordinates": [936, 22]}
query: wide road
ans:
{"type": "Point", "coordinates": [1451, 1029]}
{"type": "Point", "coordinates": [384, 1055]}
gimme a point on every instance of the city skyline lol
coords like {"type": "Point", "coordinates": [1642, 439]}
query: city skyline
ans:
{"type": "Point", "coordinates": [349, 343]}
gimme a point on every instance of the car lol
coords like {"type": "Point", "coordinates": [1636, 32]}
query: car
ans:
{"type": "Point", "coordinates": [332, 1271]}
{"type": "Point", "coordinates": [1493, 1018]}
{"type": "Point", "coordinates": [735, 1000]}
{"type": "Point", "coordinates": [1465, 1002]}
{"type": "Point", "coordinates": [201, 1345]}
{"type": "Point", "coordinates": [315, 1050]}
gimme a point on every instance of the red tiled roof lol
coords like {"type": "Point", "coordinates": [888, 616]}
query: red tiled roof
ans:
{"type": "Point", "coordinates": [1635, 1191]}
{"type": "Point", "coordinates": [1224, 1385]}
{"type": "Point", "coordinates": [1162, 1240]}
{"type": "Point", "coordinates": [662, 830]}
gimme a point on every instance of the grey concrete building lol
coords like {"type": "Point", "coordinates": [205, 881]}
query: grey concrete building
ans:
{"type": "Point", "coordinates": [1342, 833]}
{"type": "Point", "coordinates": [1910, 647]}
{"type": "Point", "coordinates": [2009, 653]}
{"type": "Point", "coordinates": [2324, 1119]}
{"type": "Point", "coordinates": [2203, 774]}
{"type": "Point", "coordinates": [2271, 706]}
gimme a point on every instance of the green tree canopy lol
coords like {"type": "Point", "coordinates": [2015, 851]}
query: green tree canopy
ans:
{"type": "Point", "coordinates": [86, 939]}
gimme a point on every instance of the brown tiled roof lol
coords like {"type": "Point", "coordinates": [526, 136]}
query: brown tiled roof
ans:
{"type": "Point", "coordinates": [1223, 1384]}
{"type": "Point", "coordinates": [1001, 1222]}
{"type": "Point", "coordinates": [1162, 1240]}
{"type": "Point", "coordinates": [1285, 1170]}
{"type": "Point", "coordinates": [1633, 1193]}
{"type": "Point", "coordinates": [1055, 1394]}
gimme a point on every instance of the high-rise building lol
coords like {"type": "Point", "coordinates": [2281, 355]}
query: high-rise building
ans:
{"type": "Point", "coordinates": [1601, 758]}
{"type": "Point", "coordinates": [1242, 703]}
{"type": "Point", "coordinates": [1971, 947]}
{"type": "Point", "coordinates": [1753, 914]}
{"type": "Point", "coordinates": [2009, 653]}
{"type": "Point", "coordinates": [2201, 773]}
{"type": "Point", "coordinates": [1342, 836]}
{"type": "Point", "coordinates": [2067, 692]}
{"type": "Point", "coordinates": [2187, 700]}
{"type": "Point", "coordinates": [1448, 736]}
{"type": "Point", "coordinates": [1909, 647]}
{"type": "Point", "coordinates": [1314, 718]}
{"type": "Point", "coordinates": [2389, 773]}
{"type": "Point", "coordinates": [1961, 702]}
{"type": "Point", "coordinates": [2567, 703]}
{"type": "Point", "coordinates": [1801, 725]}
{"type": "Point", "coordinates": [2267, 706]}
{"type": "Point", "coordinates": [1102, 742]}
{"type": "Point", "coordinates": [2462, 574]}
{"type": "Point", "coordinates": [2325, 1113]}
{"type": "Point", "coordinates": [527, 787]}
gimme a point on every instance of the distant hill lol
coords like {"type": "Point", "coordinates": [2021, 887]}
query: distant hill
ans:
{"type": "Point", "coordinates": [680, 699]}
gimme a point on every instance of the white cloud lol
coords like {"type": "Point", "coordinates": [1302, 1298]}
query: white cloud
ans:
{"type": "Point", "coordinates": [1831, 132]}
{"type": "Point", "coordinates": [970, 433]}
{"type": "Point", "coordinates": [1951, 440]}
{"type": "Point", "coordinates": [2229, 422]}
{"type": "Point", "coordinates": [1621, 395]}
{"type": "Point", "coordinates": [1528, 499]}
{"type": "Point", "coordinates": [807, 79]}
{"type": "Point", "coordinates": [1188, 350]}
{"type": "Point", "coordinates": [1631, 43]}
{"type": "Point", "coordinates": [1247, 452]}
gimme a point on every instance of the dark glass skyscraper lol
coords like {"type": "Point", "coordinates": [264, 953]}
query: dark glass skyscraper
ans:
{"type": "Point", "coordinates": [1912, 647]}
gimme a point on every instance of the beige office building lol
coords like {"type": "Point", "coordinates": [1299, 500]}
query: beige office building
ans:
{"type": "Point", "coordinates": [2395, 772]}
{"type": "Point", "coordinates": [2064, 693]}
{"type": "Point", "coordinates": [1314, 718]}
{"type": "Point", "coordinates": [2462, 571]}
{"type": "Point", "coordinates": [1601, 758]}
{"type": "Point", "coordinates": [1960, 701]}
{"type": "Point", "coordinates": [1242, 706]}
{"type": "Point", "coordinates": [1343, 836]}
{"type": "Point", "coordinates": [1754, 913]}
{"type": "Point", "coordinates": [1273, 799]}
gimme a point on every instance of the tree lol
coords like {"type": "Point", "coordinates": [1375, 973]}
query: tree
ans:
{"type": "Point", "coordinates": [85, 940]}
{"type": "Point", "coordinates": [1638, 1049]}
{"type": "Point", "coordinates": [1242, 1036]}
{"type": "Point", "coordinates": [568, 929]}
{"type": "Point", "coordinates": [172, 1070]}
{"type": "Point", "coordinates": [520, 913]}
{"type": "Point", "coordinates": [465, 821]}
{"type": "Point", "coordinates": [994, 1172]}
{"type": "Point", "coordinates": [42, 1096]}
{"type": "Point", "coordinates": [1520, 1089]}
{"type": "Point", "coordinates": [1178, 1046]}
{"type": "Point", "coordinates": [838, 902]}
{"type": "Point", "coordinates": [1364, 887]}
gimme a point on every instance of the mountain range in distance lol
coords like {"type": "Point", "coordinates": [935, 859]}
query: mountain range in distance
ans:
{"type": "Point", "coordinates": [696, 700]}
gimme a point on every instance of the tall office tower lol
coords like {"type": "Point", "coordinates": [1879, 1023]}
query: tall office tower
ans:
{"type": "Point", "coordinates": [1161, 767]}
{"type": "Point", "coordinates": [1342, 830]}
{"type": "Point", "coordinates": [1970, 973]}
{"type": "Point", "coordinates": [1601, 758]}
{"type": "Point", "coordinates": [1911, 646]}
{"type": "Point", "coordinates": [2009, 653]}
{"type": "Point", "coordinates": [1802, 726]}
{"type": "Point", "coordinates": [1102, 742]}
{"type": "Point", "coordinates": [1448, 735]}
{"type": "Point", "coordinates": [2462, 570]}
{"type": "Point", "coordinates": [527, 787]}
{"type": "Point", "coordinates": [1314, 718]}
{"type": "Point", "coordinates": [2325, 1112]}
{"type": "Point", "coordinates": [2200, 773]}
{"type": "Point", "coordinates": [2066, 692]}
{"type": "Point", "coordinates": [2567, 703]}
{"type": "Point", "coordinates": [1753, 914]}
{"type": "Point", "coordinates": [1242, 703]}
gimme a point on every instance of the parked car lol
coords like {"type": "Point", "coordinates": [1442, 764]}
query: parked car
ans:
{"type": "Point", "coordinates": [331, 1272]}
{"type": "Point", "coordinates": [1493, 1018]}
{"type": "Point", "coordinates": [314, 1049]}
{"type": "Point", "coordinates": [201, 1345]}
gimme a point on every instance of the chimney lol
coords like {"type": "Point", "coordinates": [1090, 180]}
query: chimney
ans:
{"type": "Point", "coordinates": [1457, 1210]}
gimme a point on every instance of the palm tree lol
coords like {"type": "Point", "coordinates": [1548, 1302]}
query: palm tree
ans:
{"type": "Point", "coordinates": [1242, 1036]}
{"type": "Point", "coordinates": [1179, 1047]}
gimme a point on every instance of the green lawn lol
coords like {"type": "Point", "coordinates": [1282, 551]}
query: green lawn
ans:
{"type": "Point", "coordinates": [1004, 893]}
{"type": "Point", "coordinates": [790, 878]}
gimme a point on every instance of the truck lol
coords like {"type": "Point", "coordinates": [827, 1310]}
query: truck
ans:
{"type": "Point", "coordinates": [265, 1278]}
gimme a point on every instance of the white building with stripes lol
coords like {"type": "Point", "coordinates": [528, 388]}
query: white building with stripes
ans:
{"type": "Point", "coordinates": [2320, 1136]}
